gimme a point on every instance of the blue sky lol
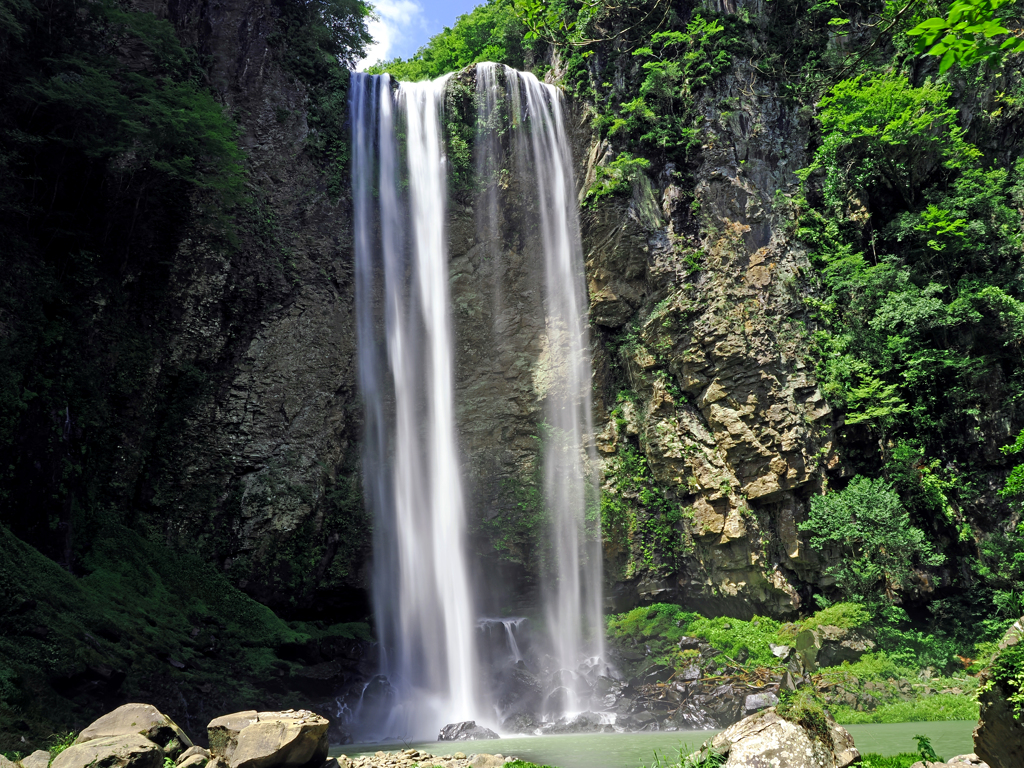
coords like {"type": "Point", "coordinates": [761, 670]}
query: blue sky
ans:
{"type": "Point", "coordinates": [405, 25]}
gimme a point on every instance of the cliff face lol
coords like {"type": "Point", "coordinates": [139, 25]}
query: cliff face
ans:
{"type": "Point", "coordinates": [697, 295]}
{"type": "Point", "coordinates": [223, 415]}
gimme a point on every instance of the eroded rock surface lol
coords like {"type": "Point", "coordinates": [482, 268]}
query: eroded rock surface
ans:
{"type": "Point", "coordinates": [767, 739]}
{"type": "Point", "coordinates": [289, 739]}
{"type": "Point", "coordinates": [143, 719]}
{"type": "Point", "coordinates": [126, 751]}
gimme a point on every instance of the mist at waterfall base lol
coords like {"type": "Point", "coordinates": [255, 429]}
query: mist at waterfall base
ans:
{"type": "Point", "coordinates": [442, 660]}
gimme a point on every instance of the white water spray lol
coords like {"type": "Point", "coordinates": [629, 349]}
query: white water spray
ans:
{"type": "Point", "coordinates": [422, 597]}
{"type": "Point", "coordinates": [573, 594]}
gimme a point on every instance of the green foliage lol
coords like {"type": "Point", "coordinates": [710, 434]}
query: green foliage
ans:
{"type": "Point", "coordinates": [640, 518]}
{"type": "Point", "coordinates": [660, 626]}
{"type": "Point", "coordinates": [902, 760]}
{"type": "Point", "coordinates": [871, 528]}
{"type": "Point", "coordinates": [312, 37]}
{"type": "Point", "coordinates": [137, 607]}
{"type": "Point", "coordinates": [924, 748]}
{"type": "Point", "coordinates": [941, 706]}
{"type": "Point", "coordinates": [802, 708]}
{"type": "Point", "coordinates": [616, 178]}
{"type": "Point", "coordinates": [967, 35]}
{"type": "Point", "coordinates": [317, 35]}
{"type": "Point", "coordinates": [676, 64]}
{"type": "Point", "coordinates": [516, 532]}
{"type": "Point", "coordinates": [156, 116]}
{"type": "Point", "coordinates": [490, 32]}
{"type": "Point", "coordinates": [842, 615]}
{"type": "Point", "coordinates": [881, 131]}
{"type": "Point", "coordinates": [918, 241]}
{"type": "Point", "coordinates": [1013, 488]}
{"type": "Point", "coordinates": [59, 742]}
{"type": "Point", "coordinates": [1007, 671]}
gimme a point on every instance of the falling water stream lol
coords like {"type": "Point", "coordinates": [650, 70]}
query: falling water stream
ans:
{"type": "Point", "coordinates": [425, 605]}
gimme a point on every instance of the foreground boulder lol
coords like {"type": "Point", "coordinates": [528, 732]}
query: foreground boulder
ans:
{"type": "Point", "coordinates": [193, 757]}
{"type": "Point", "coordinates": [129, 750]}
{"type": "Point", "coordinates": [767, 739]}
{"type": "Point", "coordinates": [38, 759]}
{"type": "Point", "coordinates": [143, 719]}
{"type": "Point", "coordinates": [251, 739]}
{"type": "Point", "coordinates": [999, 737]}
{"type": "Point", "coordinates": [467, 730]}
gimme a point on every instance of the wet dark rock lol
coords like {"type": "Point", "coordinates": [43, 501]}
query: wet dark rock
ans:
{"type": "Point", "coordinates": [558, 701]}
{"type": "Point", "coordinates": [758, 701]}
{"type": "Point", "coordinates": [467, 730]}
{"type": "Point", "coordinates": [519, 692]}
{"type": "Point", "coordinates": [522, 723]}
{"type": "Point", "coordinates": [585, 722]}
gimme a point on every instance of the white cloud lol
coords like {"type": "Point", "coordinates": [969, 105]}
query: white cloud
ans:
{"type": "Point", "coordinates": [396, 25]}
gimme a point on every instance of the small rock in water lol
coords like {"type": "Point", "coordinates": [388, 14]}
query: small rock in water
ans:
{"type": "Point", "coordinates": [465, 731]}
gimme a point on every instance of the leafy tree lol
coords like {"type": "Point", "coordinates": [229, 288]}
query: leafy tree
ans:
{"type": "Point", "coordinates": [869, 525]}
{"type": "Point", "coordinates": [676, 63]}
{"type": "Point", "coordinates": [882, 132]}
{"type": "Point", "coordinates": [490, 32]}
{"type": "Point", "coordinates": [1013, 488]}
{"type": "Point", "coordinates": [968, 34]}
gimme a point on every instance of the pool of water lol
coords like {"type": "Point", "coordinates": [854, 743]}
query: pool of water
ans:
{"type": "Point", "coordinates": [630, 750]}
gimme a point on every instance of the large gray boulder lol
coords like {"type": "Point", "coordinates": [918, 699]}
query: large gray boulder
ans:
{"type": "Point", "coordinates": [999, 737]}
{"type": "Point", "coordinates": [129, 750]}
{"type": "Point", "coordinates": [767, 739]}
{"type": "Point", "coordinates": [289, 739]}
{"type": "Point", "coordinates": [143, 719]}
{"type": "Point", "coordinates": [38, 759]}
{"type": "Point", "coordinates": [829, 646]}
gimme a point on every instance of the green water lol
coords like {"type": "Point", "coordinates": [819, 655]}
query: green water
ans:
{"type": "Point", "coordinates": [630, 750]}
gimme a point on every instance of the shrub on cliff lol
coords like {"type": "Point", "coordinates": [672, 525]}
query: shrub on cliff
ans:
{"type": "Point", "coordinates": [868, 523]}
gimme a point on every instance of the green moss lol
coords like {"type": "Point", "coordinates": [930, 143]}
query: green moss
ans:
{"type": "Point", "coordinates": [641, 521]}
{"type": "Point", "coordinates": [802, 708]}
{"type": "Point", "coordinates": [660, 626]}
{"type": "Point", "coordinates": [167, 620]}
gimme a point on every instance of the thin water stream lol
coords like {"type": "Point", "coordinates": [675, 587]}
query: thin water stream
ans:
{"type": "Point", "coordinates": [630, 750]}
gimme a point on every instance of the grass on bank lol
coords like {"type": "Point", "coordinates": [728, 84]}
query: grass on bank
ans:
{"type": "Point", "coordinates": [896, 689]}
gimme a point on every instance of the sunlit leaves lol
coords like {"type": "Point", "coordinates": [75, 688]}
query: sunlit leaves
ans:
{"type": "Point", "coordinates": [972, 32]}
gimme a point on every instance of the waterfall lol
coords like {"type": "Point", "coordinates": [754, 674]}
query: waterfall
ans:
{"type": "Point", "coordinates": [421, 588]}
{"type": "Point", "coordinates": [573, 594]}
{"type": "Point", "coordinates": [423, 598]}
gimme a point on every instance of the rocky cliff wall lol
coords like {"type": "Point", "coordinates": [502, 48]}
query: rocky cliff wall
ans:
{"type": "Point", "coordinates": [209, 398]}
{"type": "Point", "coordinates": [704, 368]}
